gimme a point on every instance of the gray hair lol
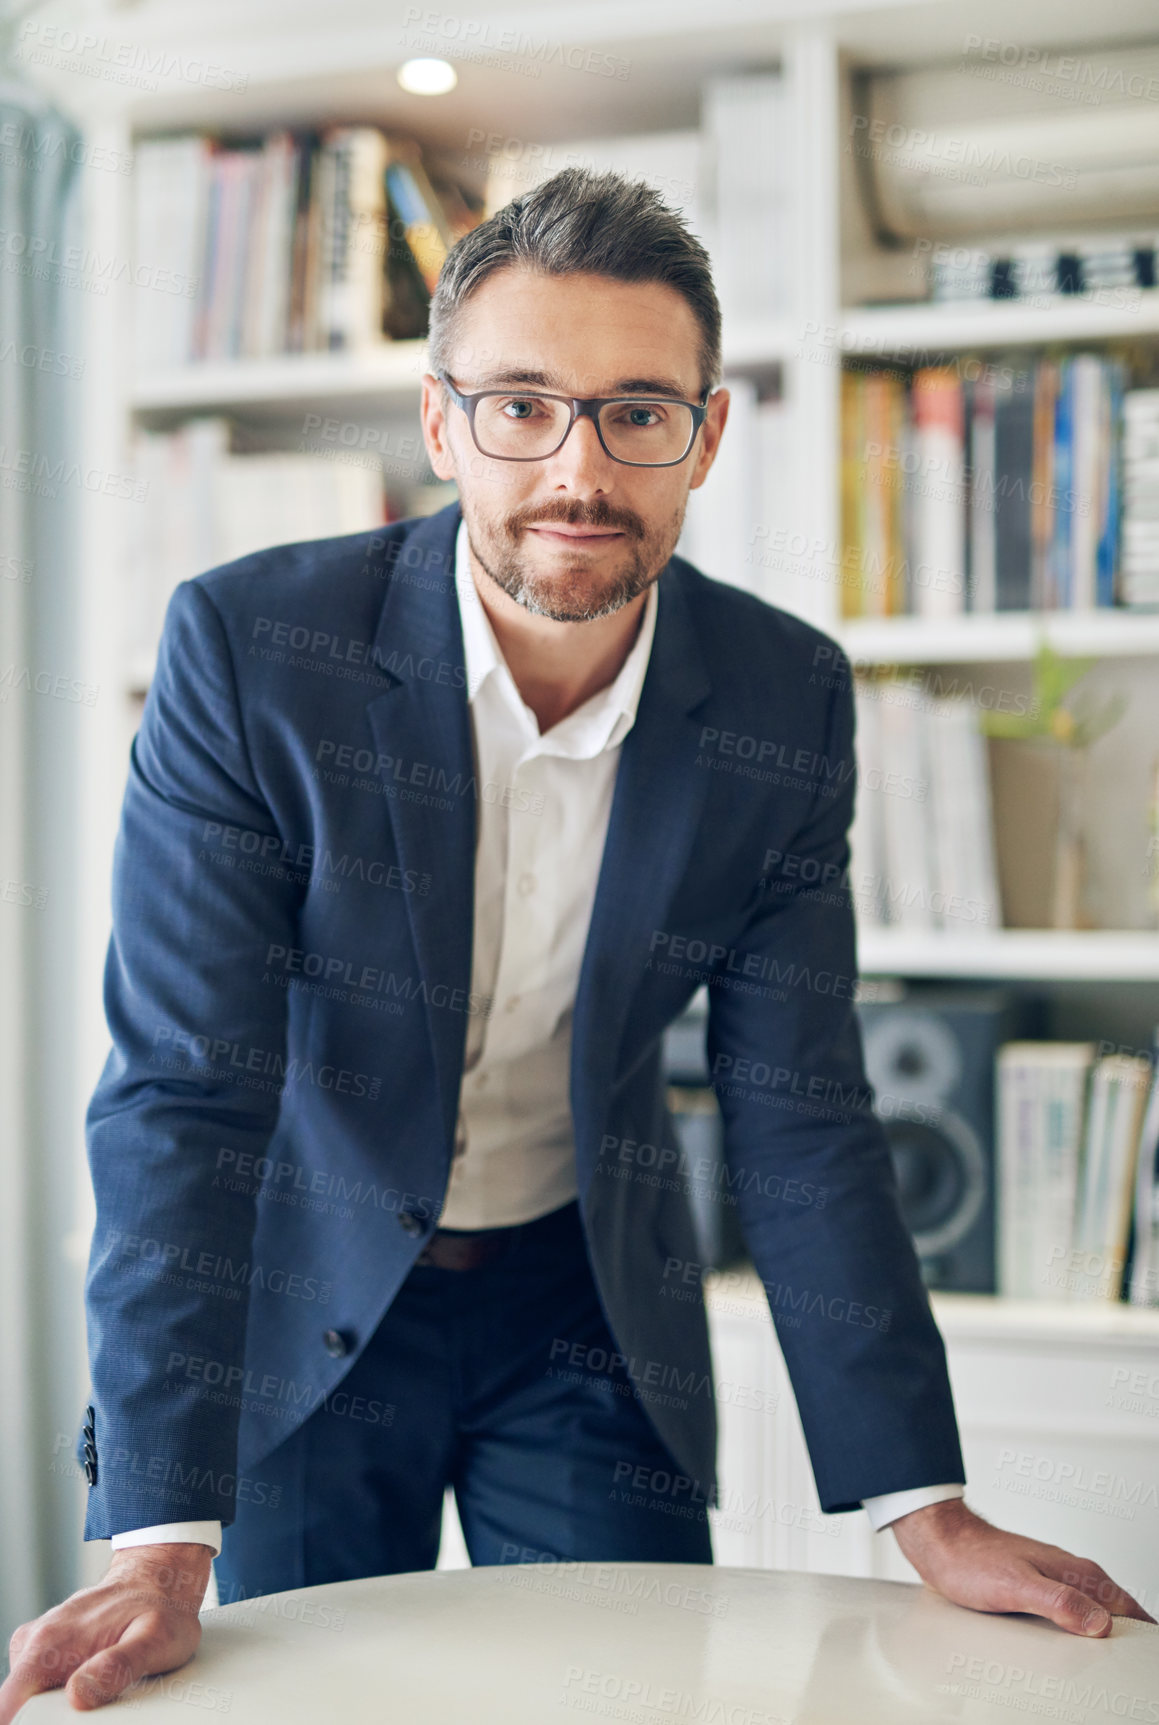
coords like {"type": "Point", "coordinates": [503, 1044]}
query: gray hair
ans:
{"type": "Point", "coordinates": [578, 221]}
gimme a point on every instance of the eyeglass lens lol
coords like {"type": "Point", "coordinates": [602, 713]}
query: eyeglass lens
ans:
{"type": "Point", "coordinates": [528, 426]}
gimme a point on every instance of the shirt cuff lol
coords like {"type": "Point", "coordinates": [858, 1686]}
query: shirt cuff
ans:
{"type": "Point", "coordinates": [172, 1533]}
{"type": "Point", "coordinates": [893, 1504]}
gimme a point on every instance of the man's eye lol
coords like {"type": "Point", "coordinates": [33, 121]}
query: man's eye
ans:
{"type": "Point", "coordinates": [639, 415]}
{"type": "Point", "coordinates": [519, 408]}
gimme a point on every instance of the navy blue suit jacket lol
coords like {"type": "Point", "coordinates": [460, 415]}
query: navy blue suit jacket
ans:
{"type": "Point", "coordinates": [287, 991]}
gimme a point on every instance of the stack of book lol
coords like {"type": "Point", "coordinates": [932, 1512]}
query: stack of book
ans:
{"type": "Point", "coordinates": [1141, 497]}
{"type": "Point", "coordinates": [1077, 1142]}
{"type": "Point", "coordinates": [982, 487]}
{"type": "Point", "coordinates": [204, 506]}
{"type": "Point", "coordinates": [922, 842]}
{"type": "Point", "coordinates": [286, 244]}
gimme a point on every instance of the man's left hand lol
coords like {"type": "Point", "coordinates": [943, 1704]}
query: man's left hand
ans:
{"type": "Point", "coordinates": [975, 1564]}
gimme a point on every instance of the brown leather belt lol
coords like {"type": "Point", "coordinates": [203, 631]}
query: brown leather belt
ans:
{"type": "Point", "coordinates": [466, 1249]}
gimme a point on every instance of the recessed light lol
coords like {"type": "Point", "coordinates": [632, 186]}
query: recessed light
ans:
{"type": "Point", "coordinates": [427, 77]}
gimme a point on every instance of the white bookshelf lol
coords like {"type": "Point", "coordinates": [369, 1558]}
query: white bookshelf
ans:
{"type": "Point", "coordinates": [975, 1316]}
{"type": "Point", "coordinates": [1022, 954]}
{"type": "Point", "coordinates": [946, 327]}
{"type": "Point", "coordinates": [1000, 637]}
{"type": "Point", "coordinates": [388, 373]}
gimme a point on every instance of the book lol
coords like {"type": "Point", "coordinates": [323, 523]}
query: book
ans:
{"type": "Point", "coordinates": [1042, 594]}
{"type": "Point", "coordinates": [1144, 1286]}
{"type": "Point", "coordinates": [1140, 497]}
{"type": "Point", "coordinates": [909, 880]}
{"type": "Point", "coordinates": [1118, 1095]}
{"type": "Point", "coordinates": [1013, 472]}
{"type": "Point", "coordinates": [172, 185]}
{"type": "Point", "coordinates": [1040, 1108]}
{"type": "Point", "coordinates": [938, 552]}
{"type": "Point", "coordinates": [866, 833]}
{"type": "Point", "coordinates": [351, 292]}
{"type": "Point", "coordinates": [965, 871]}
{"type": "Point", "coordinates": [884, 568]}
{"type": "Point", "coordinates": [426, 229]}
{"type": "Point", "coordinates": [982, 580]}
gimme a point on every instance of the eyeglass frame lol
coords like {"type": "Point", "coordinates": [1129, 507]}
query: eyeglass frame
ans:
{"type": "Point", "coordinates": [581, 407]}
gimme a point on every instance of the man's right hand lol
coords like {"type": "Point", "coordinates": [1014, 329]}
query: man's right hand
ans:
{"type": "Point", "coordinates": [139, 1621]}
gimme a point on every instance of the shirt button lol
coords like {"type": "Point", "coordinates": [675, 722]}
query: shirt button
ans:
{"type": "Point", "coordinates": [526, 884]}
{"type": "Point", "coordinates": [409, 1224]}
{"type": "Point", "coordinates": [480, 1080]}
{"type": "Point", "coordinates": [511, 1004]}
{"type": "Point", "coordinates": [335, 1344]}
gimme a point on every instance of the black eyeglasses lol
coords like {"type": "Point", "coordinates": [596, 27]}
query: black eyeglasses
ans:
{"type": "Point", "coordinates": [526, 425]}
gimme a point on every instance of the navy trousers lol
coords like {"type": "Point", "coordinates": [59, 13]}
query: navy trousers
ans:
{"type": "Point", "coordinates": [500, 1382]}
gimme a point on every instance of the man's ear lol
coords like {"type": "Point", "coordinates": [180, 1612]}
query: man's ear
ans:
{"type": "Point", "coordinates": [434, 423]}
{"type": "Point", "coordinates": [708, 442]}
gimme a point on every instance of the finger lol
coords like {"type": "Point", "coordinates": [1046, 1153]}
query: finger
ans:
{"type": "Point", "coordinates": [1096, 1584]}
{"type": "Point", "coordinates": [144, 1649]}
{"type": "Point", "coordinates": [32, 1675]}
{"type": "Point", "coordinates": [1073, 1611]}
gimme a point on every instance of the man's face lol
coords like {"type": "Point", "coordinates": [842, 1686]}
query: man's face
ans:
{"type": "Point", "coordinates": [576, 535]}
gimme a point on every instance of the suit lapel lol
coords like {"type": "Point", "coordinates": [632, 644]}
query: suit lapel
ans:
{"type": "Point", "coordinates": [656, 809]}
{"type": "Point", "coordinates": [423, 723]}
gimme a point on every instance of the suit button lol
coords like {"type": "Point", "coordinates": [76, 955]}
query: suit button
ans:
{"type": "Point", "coordinates": [335, 1344]}
{"type": "Point", "coordinates": [409, 1224]}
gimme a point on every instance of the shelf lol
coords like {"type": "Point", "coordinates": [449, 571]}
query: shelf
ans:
{"type": "Point", "coordinates": [1029, 954]}
{"type": "Point", "coordinates": [984, 1317]}
{"type": "Point", "coordinates": [926, 329]}
{"type": "Point", "coordinates": [355, 380]}
{"type": "Point", "coordinates": [1012, 635]}
{"type": "Point", "coordinates": [315, 380]}
{"type": "Point", "coordinates": [991, 1317]}
{"type": "Point", "coordinates": [751, 345]}
{"type": "Point", "coordinates": [920, 331]}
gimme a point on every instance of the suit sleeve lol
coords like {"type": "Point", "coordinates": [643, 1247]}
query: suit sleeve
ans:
{"type": "Point", "coordinates": [809, 1165]}
{"type": "Point", "coordinates": [185, 1004]}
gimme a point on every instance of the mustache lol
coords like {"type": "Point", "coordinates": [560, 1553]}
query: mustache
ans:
{"type": "Point", "coordinates": [576, 512]}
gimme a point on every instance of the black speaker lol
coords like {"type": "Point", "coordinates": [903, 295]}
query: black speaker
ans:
{"type": "Point", "coordinates": [929, 1056]}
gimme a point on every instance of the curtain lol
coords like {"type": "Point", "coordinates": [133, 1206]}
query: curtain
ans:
{"type": "Point", "coordinates": [42, 1382]}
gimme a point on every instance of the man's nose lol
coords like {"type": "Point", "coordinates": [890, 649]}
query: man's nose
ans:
{"type": "Point", "coordinates": [581, 464]}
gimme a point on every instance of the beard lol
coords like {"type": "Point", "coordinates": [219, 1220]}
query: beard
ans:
{"type": "Point", "coordinates": [575, 592]}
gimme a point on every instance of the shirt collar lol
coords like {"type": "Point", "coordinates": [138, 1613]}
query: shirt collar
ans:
{"type": "Point", "coordinates": [604, 718]}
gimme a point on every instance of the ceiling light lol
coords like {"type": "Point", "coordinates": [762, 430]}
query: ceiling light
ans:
{"type": "Point", "coordinates": [427, 77]}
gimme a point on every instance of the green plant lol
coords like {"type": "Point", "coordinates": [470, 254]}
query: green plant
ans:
{"type": "Point", "coordinates": [1077, 723]}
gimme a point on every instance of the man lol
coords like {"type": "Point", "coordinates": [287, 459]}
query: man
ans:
{"type": "Point", "coordinates": [424, 833]}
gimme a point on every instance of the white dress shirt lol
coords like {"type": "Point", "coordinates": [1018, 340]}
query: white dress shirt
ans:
{"type": "Point", "coordinates": [543, 816]}
{"type": "Point", "coordinates": [543, 811]}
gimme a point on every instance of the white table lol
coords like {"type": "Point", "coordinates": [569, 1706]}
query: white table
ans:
{"type": "Point", "coordinates": [667, 1644]}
